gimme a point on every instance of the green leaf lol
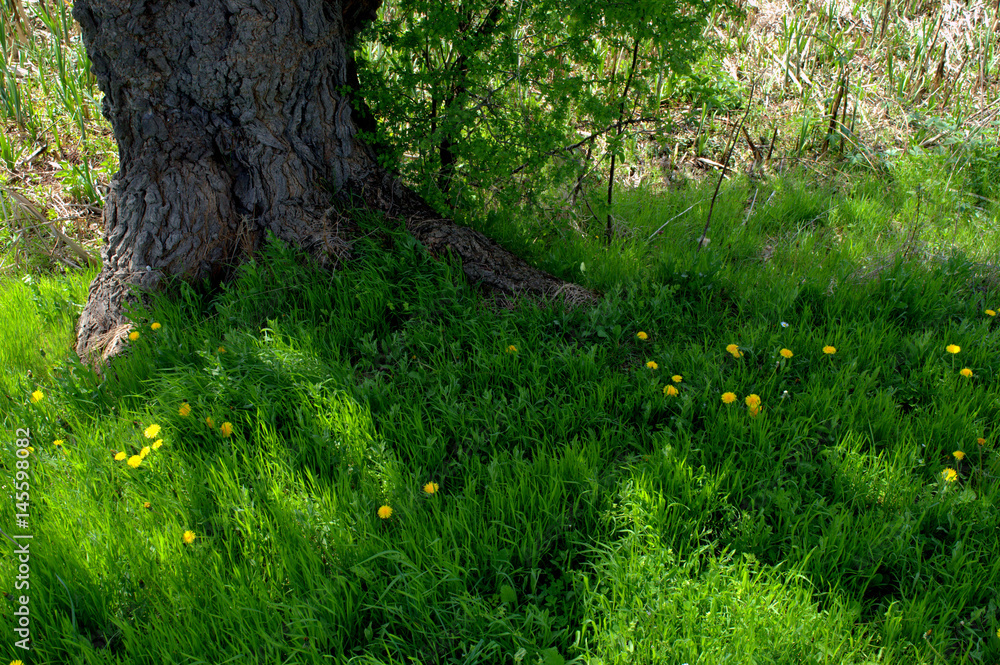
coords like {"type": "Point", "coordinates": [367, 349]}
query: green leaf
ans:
{"type": "Point", "coordinates": [508, 595]}
{"type": "Point", "coordinates": [551, 656]}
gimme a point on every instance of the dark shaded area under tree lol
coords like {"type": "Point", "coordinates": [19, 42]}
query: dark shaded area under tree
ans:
{"type": "Point", "coordinates": [232, 122]}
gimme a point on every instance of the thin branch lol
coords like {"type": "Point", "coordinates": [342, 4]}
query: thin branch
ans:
{"type": "Point", "coordinates": [725, 165]}
{"type": "Point", "coordinates": [618, 133]}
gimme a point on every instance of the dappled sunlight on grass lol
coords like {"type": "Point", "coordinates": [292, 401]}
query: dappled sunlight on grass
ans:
{"type": "Point", "coordinates": [788, 465]}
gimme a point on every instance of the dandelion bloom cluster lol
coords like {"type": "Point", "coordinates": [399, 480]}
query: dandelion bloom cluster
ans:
{"type": "Point", "coordinates": [210, 422]}
{"type": "Point", "coordinates": [642, 335]}
{"type": "Point", "coordinates": [728, 398]}
{"type": "Point", "coordinates": [949, 475]}
{"type": "Point", "coordinates": [829, 350]}
{"type": "Point", "coordinates": [147, 506]}
{"type": "Point", "coordinates": [670, 391]}
{"type": "Point", "coordinates": [966, 372]}
{"type": "Point", "coordinates": [152, 431]}
{"type": "Point", "coordinates": [990, 312]}
{"type": "Point", "coordinates": [786, 353]}
{"type": "Point", "coordinates": [134, 461]}
{"type": "Point", "coordinates": [37, 396]}
{"type": "Point", "coordinates": [188, 537]}
{"type": "Point", "coordinates": [385, 512]}
{"type": "Point", "coordinates": [226, 428]}
{"type": "Point", "coordinates": [157, 443]}
{"type": "Point", "coordinates": [511, 349]}
{"type": "Point", "coordinates": [430, 488]}
{"type": "Point", "coordinates": [120, 456]}
{"type": "Point", "coordinates": [753, 401]}
{"type": "Point", "coordinates": [144, 452]}
{"type": "Point", "coordinates": [57, 442]}
{"type": "Point", "coordinates": [221, 349]}
{"type": "Point", "coordinates": [980, 440]}
{"type": "Point", "coordinates": [953, 348]}
{"type": "Point", "coordinates": [652, 365]}
{"type": "Point", "coordinates": [735, 350]}
{"type": "Point", "coordinates": [677, 378]}
{"type": "Point", "coordinates": [185, 409]}
{"type": "Point", "coordinates": [134, 335]}
{"type": "Point", "coordinates": [155, 326]}
{"type": "Point", "coordinates": [959, 455]}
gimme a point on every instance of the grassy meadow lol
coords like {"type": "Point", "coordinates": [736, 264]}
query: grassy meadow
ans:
{"type": "Point", "coordinates": [781, 447]}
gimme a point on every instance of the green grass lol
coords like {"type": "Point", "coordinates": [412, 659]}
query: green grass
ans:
{"type": "Point", "coordinates": [582, 513]}
{"type": "Point", "coordinates": [39, 315]}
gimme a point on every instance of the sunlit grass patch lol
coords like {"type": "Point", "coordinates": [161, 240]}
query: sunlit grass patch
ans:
{"type": "Point", "coordinates": [647, 604]}
{"type": "Point", "coordinates": [39, 315]}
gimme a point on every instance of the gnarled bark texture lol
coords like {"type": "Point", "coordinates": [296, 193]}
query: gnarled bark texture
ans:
{"type": "Point", "coordinates": [231, 121]}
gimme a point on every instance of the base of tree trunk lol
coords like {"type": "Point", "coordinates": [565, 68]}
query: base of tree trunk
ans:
{"type": "Point", "coordinates": [103, 328]}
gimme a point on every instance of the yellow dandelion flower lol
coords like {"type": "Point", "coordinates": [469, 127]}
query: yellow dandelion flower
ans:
{"type": "Point", "coordinates": [210, 422]}
{"type": "Point", "coordinates": [30, 449]}
{"type": "Point", "coordinates": [152, 431]}
{"type": "Point", "coordinates": [144, 452]}
{"type": "Point", "coordinates": [511, 349]}
{"type": "Point", "coordinates": [642, 335]}
{"type": "Point", "coordinates": [157, 444]}
{"type": "Point", "coordinates": [385, 512]}
{"type": "Point", "coordinates": [677, 378]}
{"type": "Point", "coordinates": [155, 326]}
{"type": "Point", "coordinates": [754, 410]}
{"type": "Point", "coordinates": [134, 335]}
{"type": "Point", "coordinates": [953, 348]}
{"type": "Point", "coordinates": [980, 440]}
{"type": "Point", "coordinates": [652, 365]}
{"type": "Point", "coordinates": [753, 401]}
{"type": "Point", "coordinates": [57, 442]}
{"type": "Point", "coordinates": [786, 353]}
{"type": "Point", "coordinates": [221, 349]}
{"type": "Point", "coordinates": [37, 396]}
{"type": "Point", "coordinates": [430, 488]}
{"type": "Point", "coordinates": [120, 456]}
{"type": "Point", "coordinates": [134, 461]}
{"type": "Point", "coordinates": [185, 409]}
{"type": "Point", "coordinates": [188, 537]}
{"type": "Point", "coordinates": [146, 505]}
{"type": "Point", "coordinates": [966, 372]}
{"type": "Point", "coordinates": [949, 475]}
{"type": "Point", "coordinates": [18, 662]}
{"type": "Point", "coordinates": [728, 398]}
{"type": "Point", "coordinates": [670, 391]}
{"type": "Point", "coordinates": [735, 350]}
{"type": "Point", "coordinates": [226, 428]}
{"type": "Point", "coordinates": [990, 312]}
{"type": "Point", "coordinates": [829, 350]}
{"type": "Point", "coordinates": [959, 455]}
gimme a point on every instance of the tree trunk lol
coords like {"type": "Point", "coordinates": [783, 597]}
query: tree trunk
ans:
{"type": "Point", "coordinates": [231, 121]}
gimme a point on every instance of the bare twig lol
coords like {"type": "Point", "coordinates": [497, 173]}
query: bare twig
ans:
{"type": "Point", "coordinates": [662, 226]}
{"type": "Point", "coordinates": [73, 245]}
{"type": "Point", "coordinates": [618, 133]}
{"type": "Point", "coordinates": [729, 154]}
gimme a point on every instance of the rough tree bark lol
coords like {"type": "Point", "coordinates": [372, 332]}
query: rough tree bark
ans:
{"type": "Point", "coordinates": [231, 121]}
